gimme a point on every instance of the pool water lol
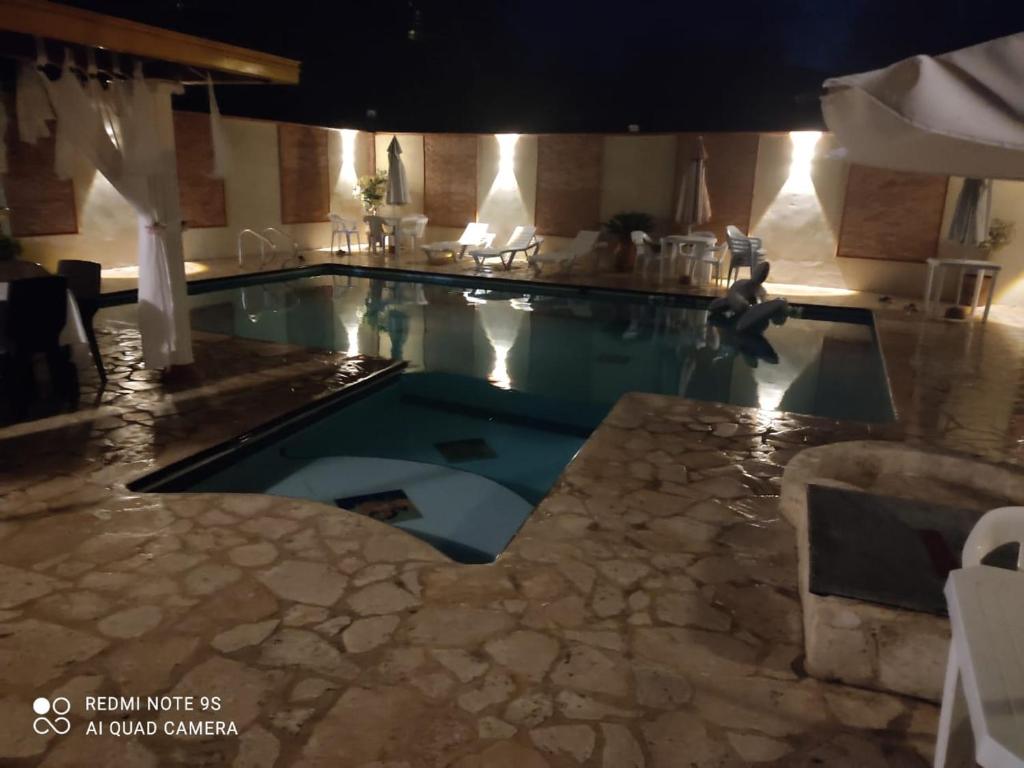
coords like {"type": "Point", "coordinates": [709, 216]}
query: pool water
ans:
{"type": "Point", "coordinates": [502, 389]}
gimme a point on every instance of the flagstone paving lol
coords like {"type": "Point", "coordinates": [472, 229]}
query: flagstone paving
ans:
{"type": "Point", "coordinates": [647, 614]}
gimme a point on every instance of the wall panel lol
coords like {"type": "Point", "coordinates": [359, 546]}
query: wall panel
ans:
{"type": "Point", "coordinates": [891, 215]}
{"type": "Point", "coordinates": [568, 183]}
{"type": "Point", "coordinates": [203, 203]}
{"type": "Point", "coordinates": [450, 178]}
{"type": "Point", "coordinates": [305, 183]}
{"type": "Point", "coordinates": [40, 203]}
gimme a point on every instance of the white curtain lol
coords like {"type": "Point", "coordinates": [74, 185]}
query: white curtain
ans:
{"type": "Point", "coordinates": [126, 131]}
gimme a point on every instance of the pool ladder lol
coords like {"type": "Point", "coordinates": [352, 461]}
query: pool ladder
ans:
{"type": "Point", "coordinates": [265, 238]}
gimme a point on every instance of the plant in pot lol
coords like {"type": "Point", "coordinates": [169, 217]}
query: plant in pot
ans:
{"type": "Point", "coordinates": [370, 190]}
{"type": "Point", "coordinates": [10, 248]}
{"type": "Point", "coordinates": [620, 228]}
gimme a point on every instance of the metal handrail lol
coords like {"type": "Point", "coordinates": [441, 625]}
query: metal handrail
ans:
{"type": "Point", "coordinates": [275, 231]}
{"type": "Point", "coordinates": [263, 241]}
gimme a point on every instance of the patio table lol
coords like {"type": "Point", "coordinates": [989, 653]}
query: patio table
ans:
{"type": "Point", "coordinates": [699, 246]}
{"type": "Point", "coordinates": [980, 268]}
{"type": "Point", "coordinates": [73, 333]}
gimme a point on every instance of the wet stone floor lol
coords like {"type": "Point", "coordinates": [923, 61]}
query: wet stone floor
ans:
{"type": "Point", "coordinates": [646, 615]}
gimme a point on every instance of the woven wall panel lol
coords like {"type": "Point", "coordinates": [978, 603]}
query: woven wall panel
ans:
{"type": "Point", "coordinates": [449, 178]}
{"type": "Point", "coordinates": [203, 203]}
{"type": "Point", "coordinates": [40, 203]}
{"type": "Point", "coordinates": [305, 182]}
{"type": "Point", "coordinates": [568, 183]}
{"type": "Point", "coordinates": [891, 215]}
{"type": "Point", "coordinates": [731, 166]}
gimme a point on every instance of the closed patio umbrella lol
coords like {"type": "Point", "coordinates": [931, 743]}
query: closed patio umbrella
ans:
{"type": "Point", "coordinates": [397, 190]}
{"type": "Point", "coordinates": [694, 206]}
{"type": "Point", "coordinates": [958, 114]}
{"type": "Point", "coordinates": [969, 225]}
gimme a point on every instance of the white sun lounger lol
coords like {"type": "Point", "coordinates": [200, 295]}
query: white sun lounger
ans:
{"type": "Point", "coordinates": [474, 236]}
{"type": "Point", "coordinates": [523, 239]}
{"type": "Point", "coordinates": [581, 245]}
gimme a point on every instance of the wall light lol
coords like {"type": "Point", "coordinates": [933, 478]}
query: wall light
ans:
{"type": "Point", "coordinates": [348, 157]}
{"type": "Point", "coordinates": [506, 178]}
{"type": "Point", "coordinates": [799, 181]}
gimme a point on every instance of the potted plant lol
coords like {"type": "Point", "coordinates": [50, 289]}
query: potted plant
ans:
{"type": "Point", "coordinates": [10, 248]}
{"type": "Point", "coordinates": [620, 228]}
{"type": "Point", "coordinates": [370, 190]}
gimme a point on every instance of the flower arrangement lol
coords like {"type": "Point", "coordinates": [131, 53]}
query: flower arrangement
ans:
{"type": "Point", "coordinates": [1000, 234]}
{"type": "Point", "coordinates": [370, 190]}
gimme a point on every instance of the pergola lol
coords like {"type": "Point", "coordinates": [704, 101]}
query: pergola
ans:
{"type": "Point", "coordinates": [111, 101]}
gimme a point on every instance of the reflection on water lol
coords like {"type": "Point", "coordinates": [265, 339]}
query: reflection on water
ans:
{"type": "Point", "coordinates": [568, 349]}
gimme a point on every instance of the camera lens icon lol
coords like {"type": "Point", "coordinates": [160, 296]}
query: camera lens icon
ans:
{"type": "Point", "coordinates": [59, 706]}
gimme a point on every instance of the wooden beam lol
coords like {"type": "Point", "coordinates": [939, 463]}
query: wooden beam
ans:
{"type": "Point", "coordinates": [51, 21]}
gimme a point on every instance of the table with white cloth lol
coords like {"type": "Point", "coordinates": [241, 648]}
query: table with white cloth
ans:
{"type": "Point", "coordinates": [979, 268]}
{"type": "Point", "coordinates": [696, 247]}
{"type": "Point", "coordinates": [73, 334]}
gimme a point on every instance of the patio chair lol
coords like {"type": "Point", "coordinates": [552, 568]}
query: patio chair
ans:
{"type": "Point", "coordinates": [342, 227]}
{"type": "Point", "coordinates": [522, 240]}
{"type": "Point", "coordinates": [412, 228]}
{"type": "Point", "coordinates": [981, 721]}
{"type": "Point", "coordinates": [376, 234]}
{"type": "Point", "coordinates": [581, 245]}
{"type": "Point", "coordinates": [84, 283]}
{"type": "Point", "coordinates": [475, 235]}
{"type": "Point", "coordinates": [744, 251]}
{"type": "Point", "coordinates": [35, 316]}
{"type": "Point", "coordinates": [646, 254]}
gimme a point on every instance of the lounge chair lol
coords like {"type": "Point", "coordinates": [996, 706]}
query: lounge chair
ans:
{"type": "Point", "coordinates": [475, 235]}
{"type": "Point", "coordinates": [581, 245]}
{"type": "Point", "coordinates": [522, 240]}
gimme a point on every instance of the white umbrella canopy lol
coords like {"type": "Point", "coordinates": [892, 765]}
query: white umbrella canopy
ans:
{"type": "Point", "coordinates": [958, 114]}
{"type": "Point", "coordinates": [398, 189]}
{"type": "Point", "coordinates": [694, 206]}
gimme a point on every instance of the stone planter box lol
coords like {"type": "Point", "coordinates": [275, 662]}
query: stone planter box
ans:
{"type": "Point", "coordinates": [868, 644]}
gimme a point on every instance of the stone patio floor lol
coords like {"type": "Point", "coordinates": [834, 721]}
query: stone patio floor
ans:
{"type": "Point", "coordinates": [646, 614]}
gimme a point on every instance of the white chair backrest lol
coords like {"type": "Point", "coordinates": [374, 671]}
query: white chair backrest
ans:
{"type": "Point", "coordinates": [1003, 525]}
{"type": "Point", "coordinates": [704, 233]}
{"type": "Point", "coordinates": [584, 241]}
{"type": "Point", "coordinates": [376, 225]}
{"type": "Point", "coordinates": [475, 233]}
{"type": "Point", "coordinates": [414, 225]}
{"type": "Point", "coordinates": [335, 219]}
{"type": "Point", "coordinates": [739, 244]}
{"type": "Point", "coordinates": [521, 237]}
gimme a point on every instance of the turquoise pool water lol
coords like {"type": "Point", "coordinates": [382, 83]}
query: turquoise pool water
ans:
{"type": "Point", "coordinates": [502, 389]}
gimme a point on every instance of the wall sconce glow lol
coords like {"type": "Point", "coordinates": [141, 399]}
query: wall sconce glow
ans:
{"type": "Point", "coordinates": [506, 178]}
{"type": "Point", "coordinates": [347, 175]}
{"type": "Point", "coordinates": [799, 181]}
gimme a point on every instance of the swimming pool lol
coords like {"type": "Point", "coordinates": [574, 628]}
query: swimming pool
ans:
{"type": "Point", "coordinates": [503, 388]}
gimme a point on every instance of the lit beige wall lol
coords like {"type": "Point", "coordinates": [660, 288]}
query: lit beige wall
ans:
{"type": "Point", "coordinates": [797, 207]}
{"type": "Point", "coordinates": [506, 186]}
{"type": "Point", "coordinates": [639, 175]}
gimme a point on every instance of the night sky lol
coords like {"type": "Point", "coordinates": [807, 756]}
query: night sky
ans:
{"type": "Point", "coordinates": [536, 65]}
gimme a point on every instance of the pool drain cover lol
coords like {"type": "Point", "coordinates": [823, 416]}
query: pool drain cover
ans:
{"type": "Point", "coordinates": [473, 449]}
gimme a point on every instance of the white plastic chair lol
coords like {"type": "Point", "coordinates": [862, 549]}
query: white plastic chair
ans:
{"type": "Point", "coordinates": [744, 251]}
{"type": "Point", "coordinates": [522, 240]}
{"type": "Point", "coordinates": [646, 256]}
{"type": "Point", "coordinates": [376, 234]}
{"type": "Point", "coordinates": [982, 718]}
{"type": "Point", "coordinates": [342, 227]}
{"type": "Point", "coordinates": [475, 235]}
{"type": "Point", "coordinates": [582, 244]}
{"type": "Point", "coordinates": [412, 228]}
